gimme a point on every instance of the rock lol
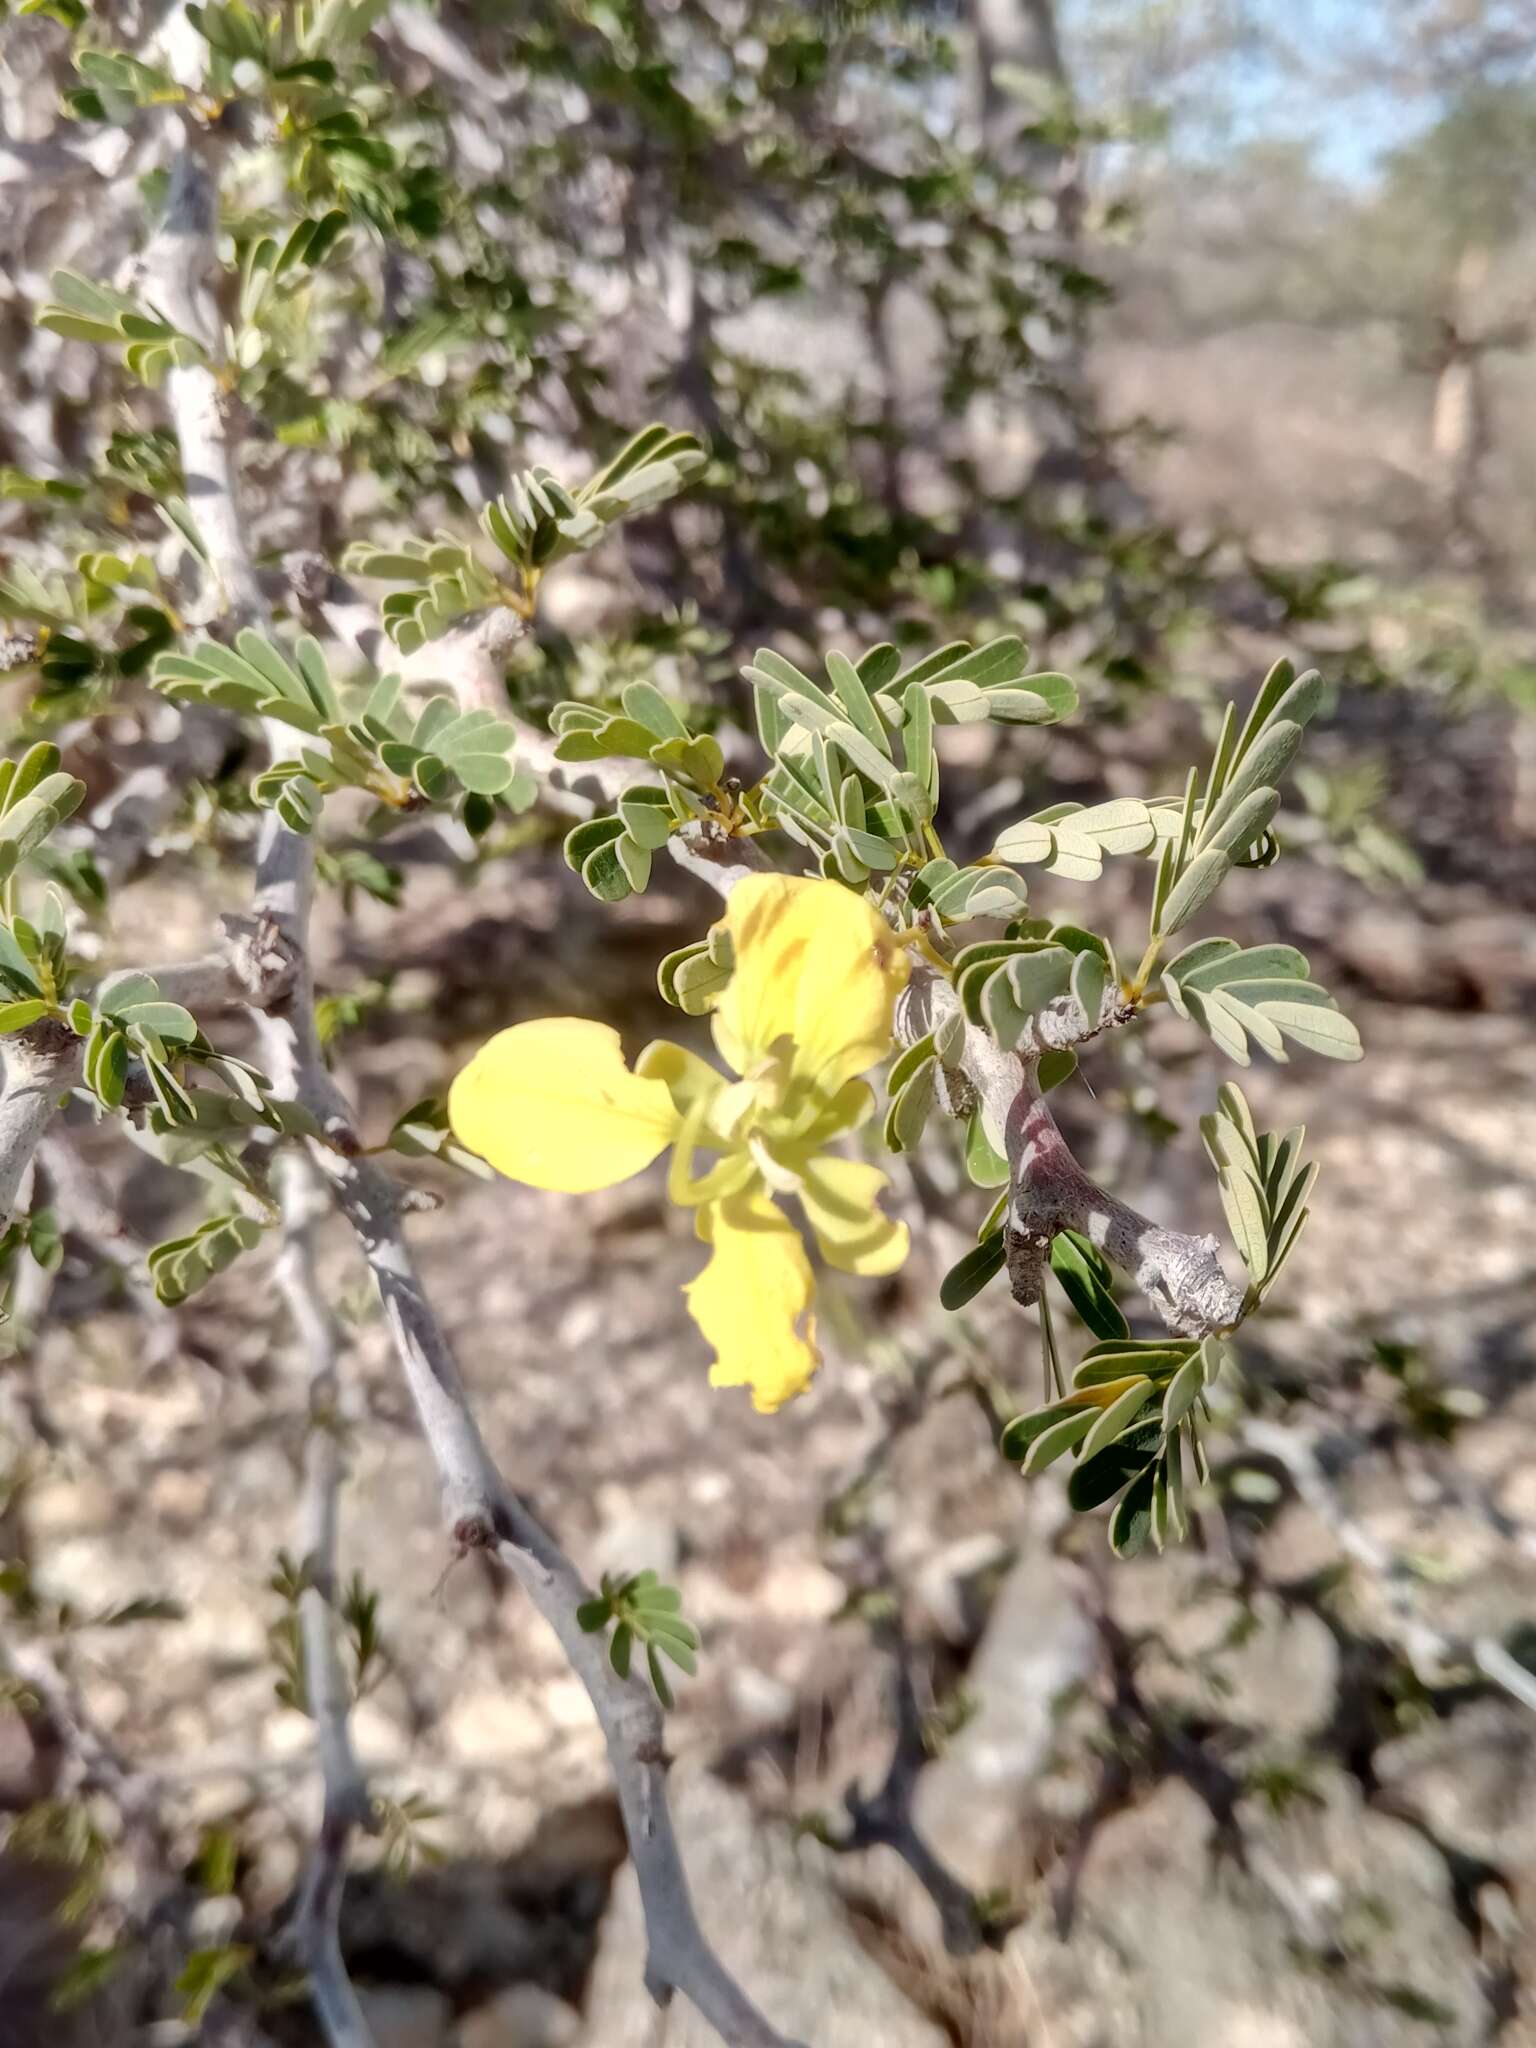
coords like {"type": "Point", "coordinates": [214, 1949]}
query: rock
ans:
{"type": "Point", "coordinates": [633, 1539]}
{"type": "Point", "coordinates": [180, 1497]}
{"type": "Point", "coordinates": [1395, 953]}
{"type": "Point", "coordinates": [1038, 1645]}
{"type": "Point", "coordinates": [93, 1572]}
{"type": "Point", "coordinates": [1340, 1933]}
{"type": "Point", "coordinates": [452, 1927]}
{"type": "Point", "coordinates": [57, 1508]}
{"type": "Point", "coordinates": [522, 2016]}
{"type": "Point", "coordinates": [1252, 1662]}
{"type": "Point", "coordinates": [489, 1723]}
{"type": "Point", "coordinates": [770, 1905]}
{"type": "Point", "coordinates": [407, 2016]}
{"type": "Point", "coordinates": [955, 1586]}
{"type": "Point", "coordinates": [758, 1699]}
{"type": "Point", "coordinates": [1472, 1779]}
{"type": "Point", "coordinates": [1440, 1101]}
{"type": "Point", "coordinates": [799, 1589]}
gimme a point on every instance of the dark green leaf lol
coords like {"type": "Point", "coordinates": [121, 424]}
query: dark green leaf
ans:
{"type": "Point", "coordinates": [1100, 1478]}
{"type": "Point", "coordinates": [970, 1274]}
{"type": "Point", "coordinates": [1085, 1279]}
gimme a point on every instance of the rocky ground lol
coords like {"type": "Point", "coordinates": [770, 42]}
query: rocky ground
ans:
{"type": "Point", "coordinates": [1253, 1793]}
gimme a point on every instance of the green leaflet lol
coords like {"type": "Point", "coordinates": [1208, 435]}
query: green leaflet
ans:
{"type": "Point", "coordinates": [966, 1278]}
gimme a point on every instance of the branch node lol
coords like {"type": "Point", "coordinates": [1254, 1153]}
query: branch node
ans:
{"type": "Point", "coordinates": [475, 1531]}
{"type": "Point", "coordinates": [20, 646]}
{"type": "Point", "coordinates": [308, 574]}
{"type": "Point", "coordinates": [1027, 1251]}
{"type": "Point", "coordinates": [264, 961]}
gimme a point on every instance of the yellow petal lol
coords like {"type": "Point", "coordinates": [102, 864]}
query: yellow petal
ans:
{"type": "Point", "coordinates": [814, 965]}
{"type": "Point", "coordinates": [727, 1176]}
{"type": "Point", "coordinates": [827, 1118]}
{"type": "Point", "coordinates": [753, 1301]}
{"type": "Point", "coordinates": [689, 1079]}
{"type": "Point", "coordinates": [839, 1196]}
{"type": "Point", "coordinates": [553, 1104]}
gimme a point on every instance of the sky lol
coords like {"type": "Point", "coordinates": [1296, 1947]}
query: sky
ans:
{"type": "Point", "coordinates": [1232, 71]}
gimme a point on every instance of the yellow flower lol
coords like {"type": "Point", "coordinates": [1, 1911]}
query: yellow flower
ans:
{"type": "Point", "coordinates": [806, 1012]}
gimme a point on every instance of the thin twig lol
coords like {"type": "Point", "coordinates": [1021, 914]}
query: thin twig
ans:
{"type": "Point", "coordinates": [1430, 1651]}
{"type": "Point", "coordinates": [885, 1818]}
{"type": "Point", "coordinates": [313, 1934]}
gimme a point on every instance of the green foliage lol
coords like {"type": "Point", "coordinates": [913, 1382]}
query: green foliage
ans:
{"type": "Point", "coordinates": [1009, 985]}
{"type": "Point", "coordinates": [1226, 821]}
{"type": "Point", "coordinates": [67, 1832]}
{"type": "Point", "coordinates": [287, 49]}
{"type": "Point", "coordinates": [1088, 1283]}
{"type": "Point", "coordinates": [16, 483]}
{"type": "Point", "coordinates": [422, 1132]}
{"type": "Point", "coordinates": [272, 271]}
{"type": "Point", "coordinates": [41, 1611]}
{"type": "Point", "coordinates": [1072, 839]}
{"type": "Point", "coordinates": [84, 311]}
{"type": "Point", "coordinates": [101, 625]}
{"type": "Point", "coordinates": [353, 869]}
{"type": "Point", "coordinates": [359, 1609]}
{"type": "Point", "coordinates": [1137, 1404]}
{"type": "Point", "coordinates": [400, 1822]}
{"type": "Point", "coordinates": [206, 1972]}
{"type": "Point", "coordinates": [181, 1265]}
{"type": "Point", "coordinates": [692, 978]}
{"type": "Point", "coordinates": [837, 784]}
{"type": "Point", "coordinates": [1258, 992]}
{"type": "Point", "coordinates": [406, 757]}
{"type": "Point", "coordinates": [445, 582]}
{"type": "Point", "coordinates": [966, 1278]}
{"type": "Point", "coordinates": [1430, 1409]}
{"type": "Point", "coordinates": [90, 1972]}
{"type": "Point", "coordinates": [853, 775]}
{"type": "Point", "coordinates": [1119, 1450]}
{"type": "Point", "coordinates": [536, 522]}
{"type": "Point", "coordinates": [612, 851]}
{"type": "Point", "coordinates": [117, 86]}
{"type": "Point", "coordinates": [35, 799]}
{"type": "Point", "coordinates": [1264, 1187]}
{"type": "Point", "coordinates": [643, 1611]}
{"type": "Point", "coordinates": [909, 1088]}
{"type": "Point", "coordinates": [133, 1023]}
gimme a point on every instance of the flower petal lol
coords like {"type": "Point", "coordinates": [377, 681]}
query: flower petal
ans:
{"type": "Point", "coordinates": [753, 1301]}
{"type": "Point", "coordinates": [689, 1079]}
{"type": "Point", "coordinates": [839, 1197]}
{"type": "Point", "coordinates": [553, 1104]}
{"type": "Point", "coordinates": [816, 965]}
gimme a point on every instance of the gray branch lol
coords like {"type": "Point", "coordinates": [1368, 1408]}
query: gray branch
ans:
{"type": "Point", "coordinates": [177, 267]}
{"type": "Point", "coordinates": [884, 1819]}
{"type": "Point", "coordinates": [41, 1065]}
{"type": "Point", "coordinates": [1179, 1273]}
{"type": "Point", "coordinates": [469, 660]}
{"type": "Point", "coordinates": [256, 965]}
{"type": "Point", "coordinates": [481, 1510]}
{"type": "Point", "coordinates": [313, 1934]}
